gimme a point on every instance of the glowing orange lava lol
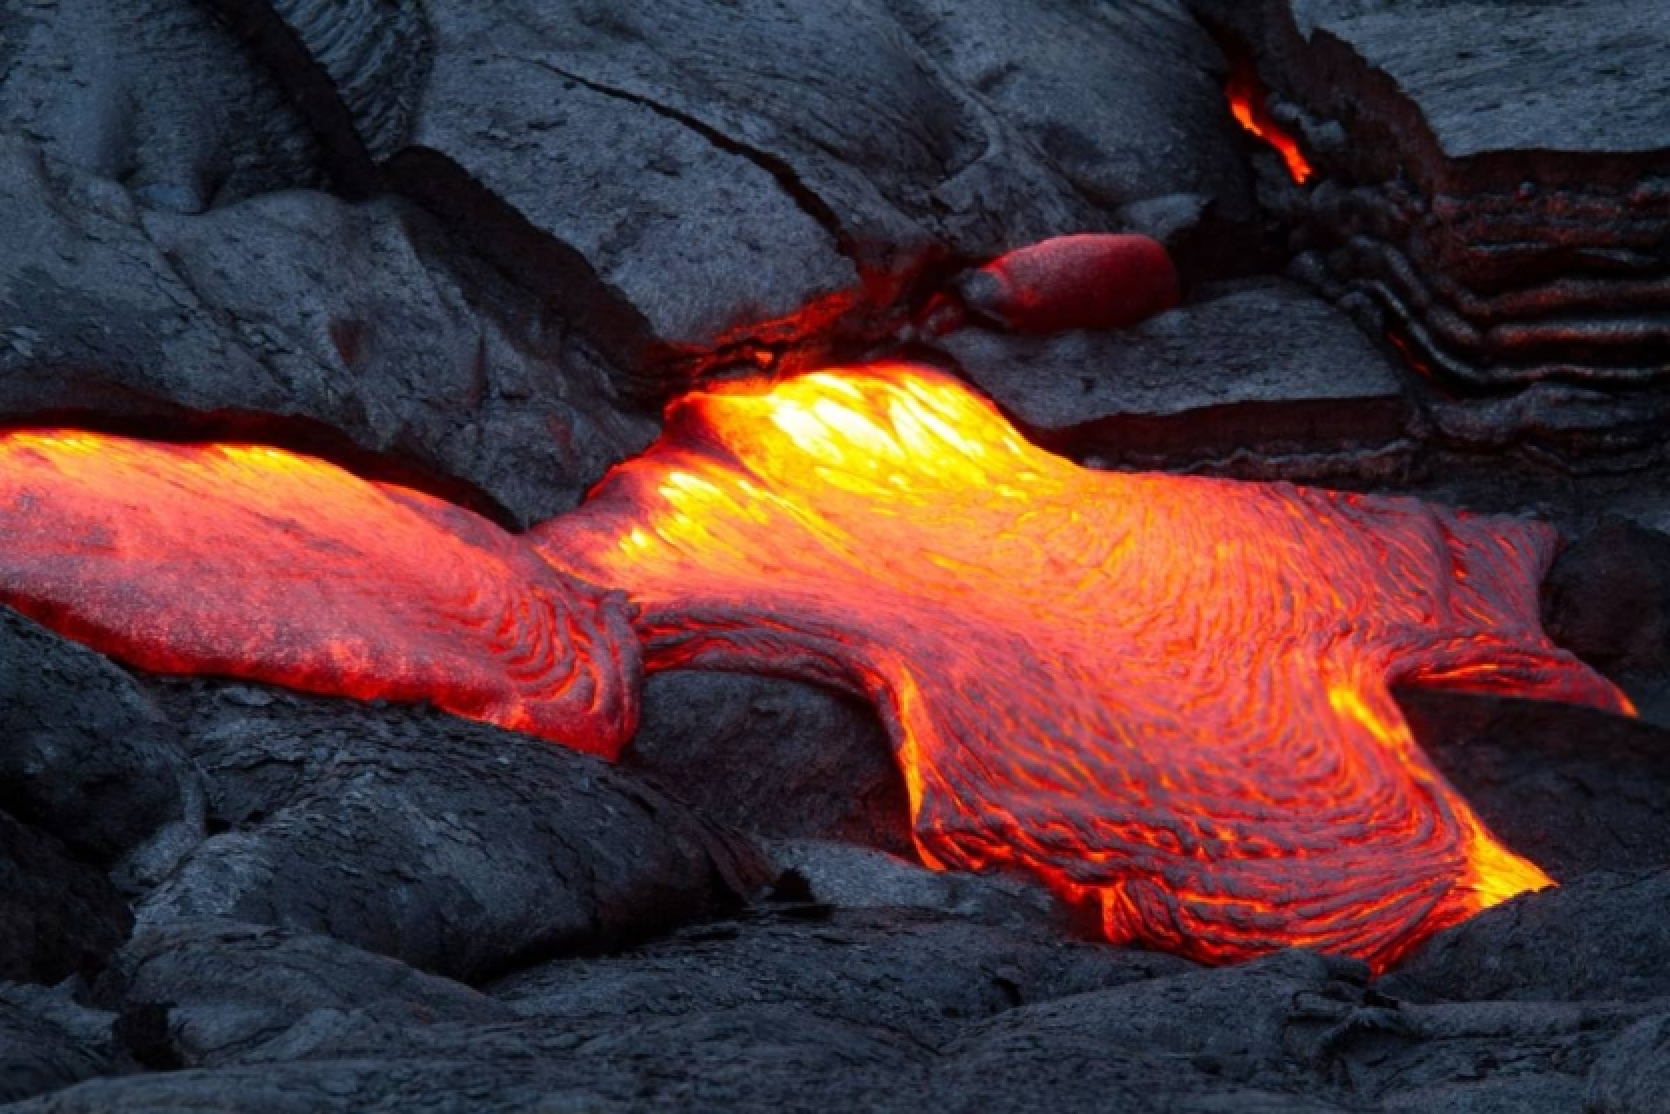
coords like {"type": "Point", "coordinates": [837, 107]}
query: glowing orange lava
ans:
{"type": "Point", "coordinates": [1246, 103]}
{"type": "Point", "coordinates": [1167, 697]}
{"type": "Point", "coordinates": [263, 564]}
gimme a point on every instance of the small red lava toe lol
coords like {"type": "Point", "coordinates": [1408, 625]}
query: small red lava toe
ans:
{"type": "Point", "coordinates": [1090, 281]}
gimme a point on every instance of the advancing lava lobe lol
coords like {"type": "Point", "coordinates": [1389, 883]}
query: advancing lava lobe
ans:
{"type": "Point", "coordinates": [262, 564]}
{"type": "Point", "coordinates": [1166, 696]}
{"type": "Point", "coordinates": [1088, 281]}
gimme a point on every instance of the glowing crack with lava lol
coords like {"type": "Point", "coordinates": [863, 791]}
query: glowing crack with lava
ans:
{"type": "Point", "coordinates": [1165, 697]}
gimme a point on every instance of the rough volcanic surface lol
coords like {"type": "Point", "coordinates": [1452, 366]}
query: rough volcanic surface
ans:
{"type": "Point", "coordinates": [469, 249]}
{"type": "Point", "coordinates": [152, 94]}
{"type": "Point", "coordinates": [1257, 368]}
{"type": "Point", "coordinates": [295, 318]}
{"type": "Point", "coordinates": [1492, 189]}
{"type": "Point", "coordinates": [732, 182]}
{"type": "Point", "coordinates": [451, 846]}
{"type": "Point", "coordinates": [778, 758]}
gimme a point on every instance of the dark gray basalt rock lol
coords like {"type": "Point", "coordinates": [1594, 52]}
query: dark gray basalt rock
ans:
{"type": "Point", "coordinates": [1607, 600]}
{"type": "Point", "coordinates": [1602, 937]}
{"type": "Point", "coordinates": [38, 1055]}
{"type": "Point", "coordinates": [451, 846]}
{"type": "Point", "coordinates": [842, 876]}
{"type": "Point", "coordinates": [1124, 99]}
{"type": "Point", "coordinates": [1494, 177]}
{"type": "Point", "coordinates": [1633, 1075]}
{"type": "Point", "coordinates": [916, 973]}
{"type": "Point", "coordinates": [705, 185]}
{"type": "Point", "coordinates": [357, 332]}
{"type": "Point", "coordinates": [152, 94]}
{"type": "Point", "coordinates": [58, 916]}
{"type": "Point", "coordinates": [1572, 789]}
{"type": "Point", "coordinates": [1256, 376]}
{"type": "Point", "coordinates": [774, 757]}
{"type": "Point", "coordinates": [87, 757]}
{"type": "Point", "coordinates": [1239, 1038]}
{"type": "Point", "coordinates": [224, 989]}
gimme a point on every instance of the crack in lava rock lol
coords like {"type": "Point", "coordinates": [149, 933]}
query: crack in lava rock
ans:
{"type": "Point", "coordinates": [1165, 696]}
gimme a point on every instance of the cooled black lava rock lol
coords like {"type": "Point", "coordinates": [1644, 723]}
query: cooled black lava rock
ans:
{"type": "Point", "coordinates": [354, 331]}
{"type": "Point", "coordinates": [1603, 937]}
{"type": "Point", "coordinates": [1607, 600]}
{"type": "Point", "coordinates": [841, 876]}
{"type": "Point", "coordinates": [58, 916]}
{"type": "Point", "coordinates": [1256, 377]}
{"type": "Point", "coordinates": [1225, 1039]}
{"type": "Point", "coordinates": [1494, 177]}
{"type": "Point", "coordinates": [226, 989]}
{"type": "Point", "coordinates": [152, 94]}
{"type": "Point", "coordinates": [87, 757]}
{"type": "Point", "coordinates": [454, 847]}
{"type": "Point", "coordinates": [704, 183]}
{"type": "Point", "coordinates": [39, 1055]}
{"type": "Point", "coordinates": [922, 974]}
{"type": "Point", "coordinates": [1123, 99]}
{"type": "Point", "coordinates": [1634, 1074]}
{"type": "Point", "coordinates": [1572, 789]}
{"type": "Point", "coordinates": [779, 758]}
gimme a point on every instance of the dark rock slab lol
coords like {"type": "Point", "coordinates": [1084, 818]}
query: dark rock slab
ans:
{"type": "Point", "coordinates": [753, 183]}
{"type": "Point", "coordinates": [1607, 600]}
{"type": "Point", "coordinates": [1581, 77]}
{"type": "Point", "coordinates": [153, 94]}
{"type": "Point", "coordinates": [58, 916]}
{"type": "Point", "coordinates": [226, 988]}
{"type": "Point", "coordinates": [453, 847]}
{"type": "Point", "coordinates": [1634, 1074]}
{"type": "Point", "coordinates": [1126, 100]}
{"type": "Point", "coordinates": [1230, 1039]}
{"type": "Point", "coordinates": [356, 332]}
{"type": "Point", "coordinates": [913, 973]}
{"type": "Point", "coordinates": [752, 1059]}
{"type": "Point", "coordinates": [774, 757]}
{"type": "Point", "coordinates": [1604, 936]}
{"type": "Point", "coordinates": [842, 876]}
{"type": "Point", "coordinates": [1573, 789]}
{"type": "Point", "coordinates": [87, 757]}
{"type": "Point", "coordinates": [1257, 367]}
{"type": "Point", "coordinates": [38, 1055]}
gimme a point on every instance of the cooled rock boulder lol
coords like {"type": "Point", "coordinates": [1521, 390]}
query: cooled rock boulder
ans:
{"type": "Point", "coordinates": [778, 758]}
{"type": "Point", "coordinates": [86, 756]}
{"type": "Point", "coordinates": [154, 94]}
{"type": "Point", "coordinates": [358, 332]}
{"type": "Point", "coordinates": [221, 989]}
{"type": "Point", "coordinates": [749, 182]}
{"type": "Point", "coordinates": [455, 848]}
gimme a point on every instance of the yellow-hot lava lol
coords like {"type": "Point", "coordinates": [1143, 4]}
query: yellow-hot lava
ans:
{"type": "Point", "coordinates": [1166, 697]}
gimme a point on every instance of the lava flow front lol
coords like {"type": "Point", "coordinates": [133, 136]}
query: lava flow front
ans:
{"type": "Point", "coordinates": [1167, 697]}
{"type": "Point", "coordinates": [257, 563]}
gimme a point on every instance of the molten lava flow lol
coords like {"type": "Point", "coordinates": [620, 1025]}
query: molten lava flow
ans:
{"type": "Point", "coordinates": [1165, 696]}
{"type": "Point", "coordinates": [263, 564]}
{"type": "Point", "coordinates": [1246, 103]}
